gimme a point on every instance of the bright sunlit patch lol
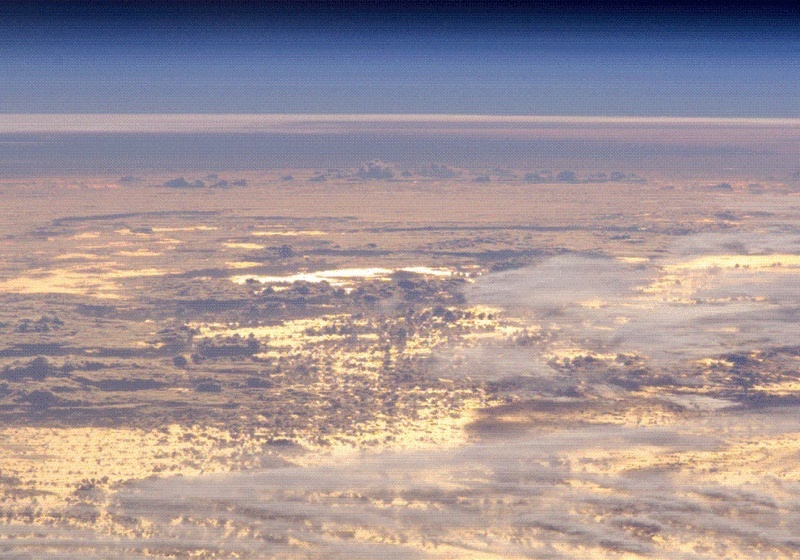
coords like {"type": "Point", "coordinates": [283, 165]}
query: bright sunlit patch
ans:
{"type": "Point", "coordinates": [572, 352]}
{"type": "Point", "coordinates": [96, 282]}
{"type": "Point", "coordinates": [57, 462]}
{"type": "Point", "coordinates": [128, 231]}
{"type": "Point", "coordinates": [138, 253]}
{"type": "Point", "coordinates": [769, 262]}
{"type": "Point", "coordinates": [340, 277]}
{"type": "Point", "coordinates": [333, 277]}
{"type": "Point", "coordinates": [290, 233]}
{"type": "Point", "coordinates": [593, 303]}
{"type": "Point", "coordinates": [187, 228]}
{"type": "Point", "coordinates": [427, 271]}
{"type": "Point", "coordinates": [286, 334]}
{"type": "Point", "coordinates": [684, 282]}
{"type": "Point", "coordinates": [698, 402]}
{"type": "Point", "coordinates": [87, 235]}
{"type": "Point", "coordinates": [789, 387]}
{"type": "Point", "coordinates": [77, 256]}
{"type": "Point", "coordinates": [712, 362]}
{"type": "Point", "coordinates": [250, 246]}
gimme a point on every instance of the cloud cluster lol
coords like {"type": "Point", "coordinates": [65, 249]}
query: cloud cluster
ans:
{"type": "Point", "coordinates": [596, 492]}
{"type": "Point", "coordinates": [182, 183]}
{"type": "Point", "coordinates": [438, 171]}
{"type": "Point", "coordinates": [377, 170]}
{"type": "Point", "coordinates": [715, 482]}
{"type": "Point", "coordinates": [718, 486]}
{"type": "Point", "coordinates": [572, 177]}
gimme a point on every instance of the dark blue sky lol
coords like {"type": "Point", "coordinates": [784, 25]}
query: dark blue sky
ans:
{"type": "Point", "coordinates": [690, 59]}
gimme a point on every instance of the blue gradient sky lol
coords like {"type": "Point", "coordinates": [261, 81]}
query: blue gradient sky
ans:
{"type": "Point", "coordinates": [207, 57]}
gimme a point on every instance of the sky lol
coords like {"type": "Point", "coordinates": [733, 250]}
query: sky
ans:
{"type": "Point", "coordinates": [698, 59]}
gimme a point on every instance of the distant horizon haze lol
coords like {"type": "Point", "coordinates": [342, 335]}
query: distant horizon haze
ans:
{"type": "Point", "coordinates": [13, 123]}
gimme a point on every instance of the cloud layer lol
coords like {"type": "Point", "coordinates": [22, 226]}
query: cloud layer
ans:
{"type": "Point", "coordinates": [715, 293]}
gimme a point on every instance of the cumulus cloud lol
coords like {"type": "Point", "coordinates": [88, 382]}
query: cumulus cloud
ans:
{"type": "Point", "coordinates": [567, 177]}
{"type": "Point", "coordinates": [537, 178]}
{"type": "Point", "coordinates": [720, 187]}
{"type": "Point", "coordinates": [377, 170]}
{"type": "Point", "coordinates": [438, 171]}
{"type": "Point", "coordinates": [182, 183]}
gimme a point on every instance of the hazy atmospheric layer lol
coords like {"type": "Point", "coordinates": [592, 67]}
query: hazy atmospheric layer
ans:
{"type": "Point", "coordinates": [715, 128]}
{"type": "Point", "coordinates": [42, 145]}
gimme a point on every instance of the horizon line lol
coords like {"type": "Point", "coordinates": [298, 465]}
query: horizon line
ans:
{"type": "Point", "coordinates": [293, 122]}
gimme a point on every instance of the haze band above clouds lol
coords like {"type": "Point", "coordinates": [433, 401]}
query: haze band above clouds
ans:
{"type": "Point", "coordinates": [271, 123]}
{"type": "Point", "coordinates": [776, 136]}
